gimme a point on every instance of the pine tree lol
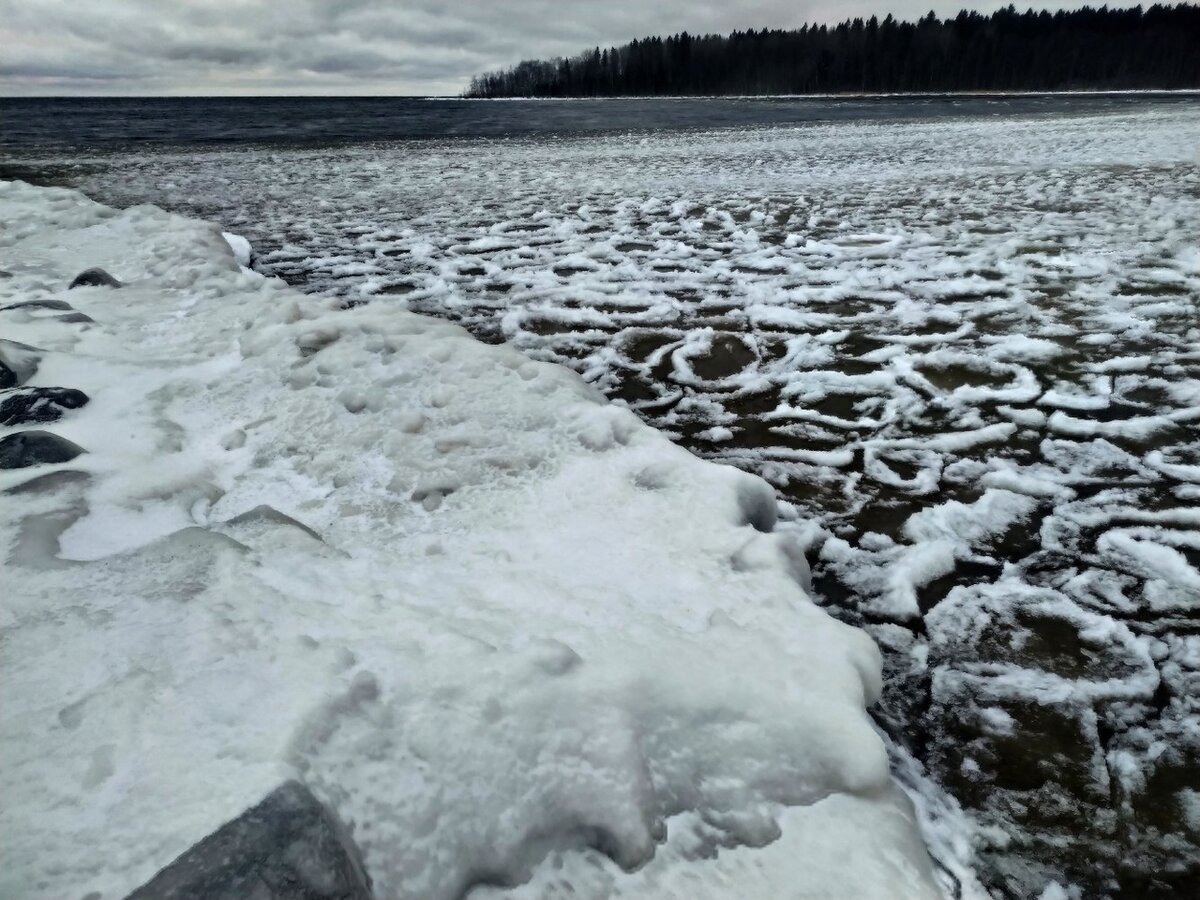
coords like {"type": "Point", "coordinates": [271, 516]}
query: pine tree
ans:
{"type": "Point", "coordinates": [1084, 49]}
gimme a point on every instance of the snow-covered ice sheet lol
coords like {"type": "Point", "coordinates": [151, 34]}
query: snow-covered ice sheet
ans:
{"type": "Point", "coordinates": [509, 632]}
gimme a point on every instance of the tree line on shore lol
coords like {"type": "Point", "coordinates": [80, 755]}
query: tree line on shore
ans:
{"type": "Point", "coordinates": [1084, 49]}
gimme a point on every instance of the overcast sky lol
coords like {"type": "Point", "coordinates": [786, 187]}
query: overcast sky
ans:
{"type": "Point", "coordinates": [351, 46]}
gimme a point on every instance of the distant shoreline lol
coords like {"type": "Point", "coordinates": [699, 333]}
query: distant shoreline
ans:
{"type": "Point", "coordinates": [1083, 49]}
{"type": "Point", "coordinates": [1148, 92]}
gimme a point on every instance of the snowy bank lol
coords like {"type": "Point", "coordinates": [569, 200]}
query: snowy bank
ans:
{"type": "Point", "coordinates": [513, 636]}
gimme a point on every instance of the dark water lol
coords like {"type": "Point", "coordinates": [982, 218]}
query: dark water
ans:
{"type": "Point", "coordinates": [28, 123]}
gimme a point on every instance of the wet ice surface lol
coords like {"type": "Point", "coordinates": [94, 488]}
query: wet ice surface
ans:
{"type": "Point", "coordinates": [968, 351]}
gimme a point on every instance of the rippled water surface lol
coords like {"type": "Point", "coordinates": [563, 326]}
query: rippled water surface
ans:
{"type": "Point", "coordinates": [125, 122]}
{"type": "Point", "coordinates": [965, 349]}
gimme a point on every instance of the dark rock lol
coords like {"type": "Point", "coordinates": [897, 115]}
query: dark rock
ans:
{"type": "Point", "coordinates": [39, 404]}
{"type": "Point", "coordinates": [18, 363]}
{"type": "Point", "coordinates": [75, 318]}
{"type": "Point", "coordinates": [61, 305]}
{"type": "Point", "coordinates": [51, 482]}
{"type": "Point", "coordinates": [288, 847]}
{"type": "Point", "coordinates": [270, 517]}
{"type": "Point", "coordinates": [94, 278]}
{"type": "Point", "coordinates": [31, 448]}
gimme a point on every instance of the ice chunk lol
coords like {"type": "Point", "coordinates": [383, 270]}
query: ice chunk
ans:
{"type": "Point", "coordinates": [970, 524]}
{"type": "Point", "coordinates": [242, 251]}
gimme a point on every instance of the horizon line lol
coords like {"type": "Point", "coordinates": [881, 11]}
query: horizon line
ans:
{"type": "Point", "coordinates": [818, 95]}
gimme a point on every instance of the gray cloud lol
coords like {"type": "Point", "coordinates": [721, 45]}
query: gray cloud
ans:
{"type": "Point", "coordinates": [351, 46]}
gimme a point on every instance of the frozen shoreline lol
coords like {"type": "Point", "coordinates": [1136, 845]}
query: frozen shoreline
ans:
{"type": "Point", "coordinates": [496, 623]}
{"type": "Point", "coordinates": [963, 352]}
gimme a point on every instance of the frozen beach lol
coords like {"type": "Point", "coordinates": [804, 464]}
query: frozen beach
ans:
{"type": "Point", "coordinates": [963, 351]}
{"type": "Point", "coordinates": [508, 632]}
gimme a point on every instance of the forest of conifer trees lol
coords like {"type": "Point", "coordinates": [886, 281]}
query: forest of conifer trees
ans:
{"type": "Point", "coordinates": [1085, 49]}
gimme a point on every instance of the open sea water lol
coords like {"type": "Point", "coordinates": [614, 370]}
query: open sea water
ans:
{"type": "Point", "coordinates": [41, 123]}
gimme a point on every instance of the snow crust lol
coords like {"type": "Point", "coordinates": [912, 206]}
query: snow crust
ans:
{"type": "Point", "coordinates": [520, 642]}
